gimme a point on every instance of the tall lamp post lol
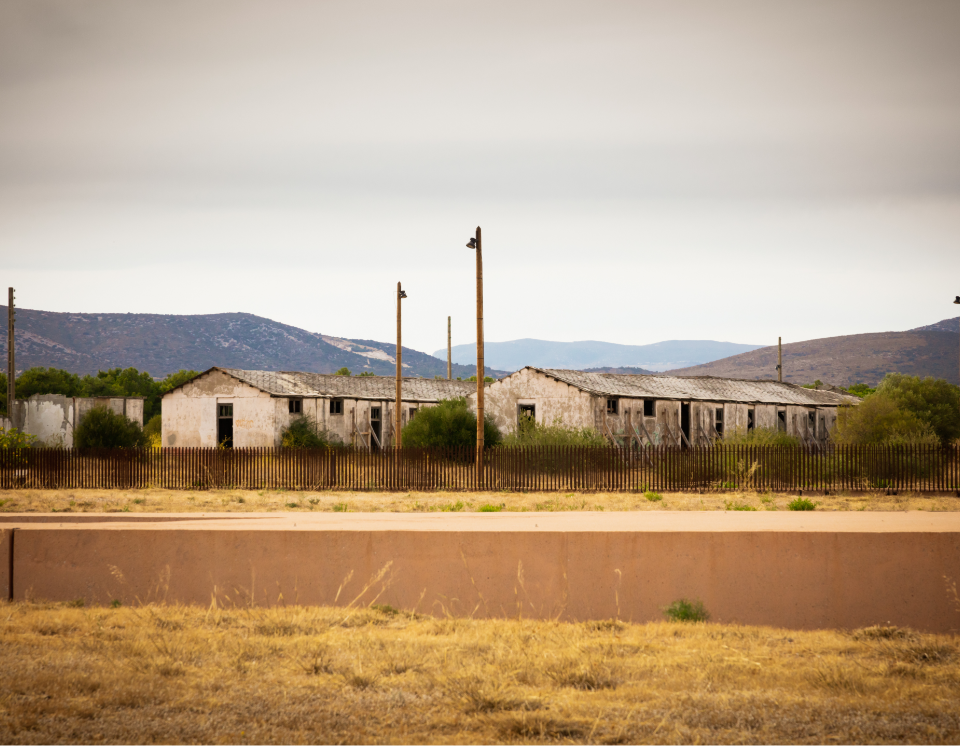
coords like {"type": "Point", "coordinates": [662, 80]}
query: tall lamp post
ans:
{"type": "Point", "coordinates": [957, 302]}
{"type": "Point", "coordinates": [474, 243]}
{"type": "Point", "coordinates": [399, 407]}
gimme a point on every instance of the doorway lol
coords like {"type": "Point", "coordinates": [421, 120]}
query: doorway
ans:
{"type": "Point", "coordinates": [685, 423]}
{"type": "Point", "coordinates": [225, 425]}
{"type": "Point", "coordinates": [375, 427]}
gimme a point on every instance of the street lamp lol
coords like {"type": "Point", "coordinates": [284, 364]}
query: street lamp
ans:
{"type": "Point", "coordinates": [474, 243]}
{"type": "Point", "coordinates": [401, 294]}
{"type": "Point", "coordinates": [957, 302]}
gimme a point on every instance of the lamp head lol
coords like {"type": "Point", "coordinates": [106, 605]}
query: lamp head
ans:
{"type": "Point", "coordinates": [403, 293]}
{"type": "Point", "coordinates": [957, 301]}
{"type": "Point", "coordinates": [472, 244]}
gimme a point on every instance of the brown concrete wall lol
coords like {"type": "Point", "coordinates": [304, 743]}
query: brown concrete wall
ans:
{"type": "Point", "coordinates": [749, 570]}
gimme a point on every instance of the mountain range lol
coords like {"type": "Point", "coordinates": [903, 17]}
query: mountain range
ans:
{"type": "Point", "coordinates": [162, 344]}
{"type": "Point", "coordinates": [591, 354]}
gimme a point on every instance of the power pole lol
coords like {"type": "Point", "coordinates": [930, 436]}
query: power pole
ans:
{"type": "Point", "coordinates": [780, 359]}
{"type": "Point", "coordinates": [449, 357]}
{"type": "Point", "coordinates": [480, 366]}
{"type": "Point", "coordinates": [399, 406]}
{"type": "Point", "coordinates": [11, 359]}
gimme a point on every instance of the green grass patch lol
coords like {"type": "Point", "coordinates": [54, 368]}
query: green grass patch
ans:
{"type": "Point", "coordinates": [653, 497]}
{"type": "Point", "coordinates": [684, 610]}
{"type": "Point", "coordinates": [801, 503]}
{"type": "Point", "coordinates": [491, 508]}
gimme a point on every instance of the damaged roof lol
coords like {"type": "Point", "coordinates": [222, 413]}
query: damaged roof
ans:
{"type": "Point", "coordinates": [377, 388]}
{"type": "Point", "coordinates": [697, 388]}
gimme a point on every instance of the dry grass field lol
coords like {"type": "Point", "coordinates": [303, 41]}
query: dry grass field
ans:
{"type": "Point", "coordinates": [287, 675]}
{"type": "Point", "coordinates": [233, 501]}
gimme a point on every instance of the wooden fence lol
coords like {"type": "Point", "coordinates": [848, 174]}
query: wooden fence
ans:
{"type": "Point", "coordinates": [559, 468]}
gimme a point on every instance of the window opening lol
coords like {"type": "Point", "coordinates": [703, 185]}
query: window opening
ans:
{"type": "Point", "coordinates": [336, 406]}
{"type": "Point", "coordinates": [413, 411]}
{"type": "Point", "coordinates": [225, 425]}
{"type": "Point", "coordinates": [611, 406]}
{"type": "Point", "coordinates": [526, 415]}
{"type": "Point", "coordinates": [295, 406]}
{"type": "Point", "coordinates": [718, 421]}
{"type": "Point", "coordinates": [649, 407]}
{"type": "Point", "coordinates": [749, 420]}
{"type": "Point", "coordinates": [782, 420]}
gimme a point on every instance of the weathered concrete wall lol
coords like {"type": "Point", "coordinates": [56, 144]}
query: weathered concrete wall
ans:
{"type": "Point", "coordinates": [807, 571]}
{"type": "Point", "coordinates": [554, 400]}
{"type": "Point", "coordinates": [51, 418]}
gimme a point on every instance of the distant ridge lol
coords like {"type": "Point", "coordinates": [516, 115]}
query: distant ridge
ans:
{"type": "Point", "coordinates": [516, 354]}
{"type": "Point", "coordinates": [164, 343]}
{"type": "Point", "coordinates": [932, 350]}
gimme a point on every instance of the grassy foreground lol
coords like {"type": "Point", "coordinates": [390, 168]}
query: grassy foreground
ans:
{"type": "Point", "coordinates": [239, 501]}
{"type": "Point", "coordinates": [295, 674]}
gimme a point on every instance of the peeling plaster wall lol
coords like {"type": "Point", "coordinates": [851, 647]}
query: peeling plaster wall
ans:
{"type": "Point", "coordinates": [51, 418]}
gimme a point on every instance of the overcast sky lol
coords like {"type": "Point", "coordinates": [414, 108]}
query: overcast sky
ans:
{"type": "Point", "coordinates": [642, 171]}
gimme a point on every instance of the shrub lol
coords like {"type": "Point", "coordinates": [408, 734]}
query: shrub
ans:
{"type": "Point", "coordinates": [529, 432]}
{"type": "Point", "coordinates": [14, 439]}
{"type": "Point", "coordinates": [683, 610]}
{"type": "Point", "coordinates": [343, 372]}
{"type": "Point", "coordinates": [304, 433]}
{"type": "Point", "coordinates": [879, 420]}
{"type": "Point", "coordinates": [154, 431]}
{"type": "Point", "coordinates": [103, 428]}
{"type": "Point", "coordinates": [653, 497]}
{"type": "Point", "coordinates": [933, 401]}
{"type": "Point", "coordinates": [738, 506]}
{"type": "Point", "coordinates": [801, 503]}
{"type": "Point", "coordinates": [449, 424]}
{"type": "Point", "coordinates": [490, 508]}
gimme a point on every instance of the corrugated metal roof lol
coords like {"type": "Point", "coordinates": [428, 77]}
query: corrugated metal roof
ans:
{"type": "Point", "coordinates": [380, 388]}
{"type": "Point", "coordinates": [697, 388]}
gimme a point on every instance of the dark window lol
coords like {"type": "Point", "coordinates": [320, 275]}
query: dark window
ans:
{"type": "Point", "coordinates": [295, 406]}
{"type": "Point", "coordinates": [225, 425]}
{"type": "Point", "coordinates": [649, 407]}
{"type": "Point", "coordinates": [336, 406]}
{"type": "Point", "coordinates": [611, 406]}
{"type": "Point", "coordinates": [782, 420]}
{"type": "Point", "coordinates": [718, 414]}
{"type": "Point", "coordinates": [413, 411]}
{"type": "Point", "coordinates": [749, 420]}
{"type": "Point", "coordinates": [374, 413]}
{"type": "Point", "coordinates": [527, 413]}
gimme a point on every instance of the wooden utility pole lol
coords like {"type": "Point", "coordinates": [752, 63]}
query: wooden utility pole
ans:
{"type": "Point", "coordinates": [399, 406]}
{"type": "Point", "coordinates": [11, 359]}
{"type": "Point", "coordinates": [780, 359]}
{"type": "Point", "coordinates": [480, 366]}
{"type": "Point", "coordinates": [449, 353]}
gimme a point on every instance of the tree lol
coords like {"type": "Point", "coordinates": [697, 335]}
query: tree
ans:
{"type": "Point", "coordinates": [343, 372]}
{"type": "Point", "coordinates": [103, 428]}
{"type": "Point", "coordinates": [153, 431]}
{"type": "Point", "coordinates": [450, 424]}
{"type": "Point", "coordinates": [48, 381]}
{"type": "Point", "coordinates": [176, 379]}
{"type": "Point", "coordinates": [878, 420]}
{"type": "Point", "coordinates": [932, 400]}
{"type": "Point", "coordinates": [367, 373]}
{"type": "Point", "coordinates": [125, 382]}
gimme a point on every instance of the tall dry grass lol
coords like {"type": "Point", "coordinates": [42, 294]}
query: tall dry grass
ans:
{"type": "Point", "coordinates": [295, 674]}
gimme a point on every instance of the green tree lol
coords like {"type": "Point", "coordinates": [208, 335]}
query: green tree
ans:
{"type": "Point", "coordinates": [878, 420]}
{"type": "Point", "coordinates": [176, 379]}
{"type": "Point", "coordinates": [343, 372]}
{"type": "Point", "coordinates": [367, 373]}
{"type": "Point", "coordinates": [103, 428]}
{"type": "Point", "coordinates": [125, 382]}
{"type": "Point", "coordinates": [931, 400]}
{"type": "Point", "coordinates": [48, 381]}
{"type": "Point", "coordinates": [153, 431]}
{"type": "Point", "coordinates": [861, 390]}
{"type": "Point", "coordinates": [449, 424]}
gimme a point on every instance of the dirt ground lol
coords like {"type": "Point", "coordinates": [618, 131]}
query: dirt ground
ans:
{"type": "Point", "coordinates": [373, 675]}
{"type": "Point", "coordinates": [238, 501]}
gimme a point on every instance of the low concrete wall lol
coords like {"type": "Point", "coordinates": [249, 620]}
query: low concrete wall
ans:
{"type": "Point", "coordinates": [811, 571]}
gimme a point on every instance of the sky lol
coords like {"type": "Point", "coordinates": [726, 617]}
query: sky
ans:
{"type": "Point", "coordinates": [642, 171]}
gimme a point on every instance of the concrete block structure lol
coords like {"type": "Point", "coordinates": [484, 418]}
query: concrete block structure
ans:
{"type": "Point", "coordinates": [51, 418]}
{"type": "Point", "coordinates": [670, 410]}
{"type": "Point", "coordinates": [252, 408]}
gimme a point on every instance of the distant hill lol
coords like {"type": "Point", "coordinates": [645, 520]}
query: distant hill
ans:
{"type": "Point", "coordinates": [844, 361]}
{"type": "Point", "coordinates": [589, 355]}
{"type": "Point", "coordinates": [162, 344]}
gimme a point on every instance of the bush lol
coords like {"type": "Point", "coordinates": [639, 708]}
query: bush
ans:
{"type": "Point", "coordinates": [933, 401]}
{"type": "Point", "coordinates": [154, 431]}
{"type": "Point", "coordinates": [448, 425]}
{"type": "Point", "coordinates": [303, 433]}
{"type": "Point", "coordinates": [529, 432]}
{"type": "Point", "coordinates": [801, 503]}
{"type": "Point", "coordinates": [686, 611]}
{"type": "Point", "coordinates": [103, 428]}
{"type": "Point", "coordinates": [653, 497]}
{"type": "Point", "coordinates": [879, 420]}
